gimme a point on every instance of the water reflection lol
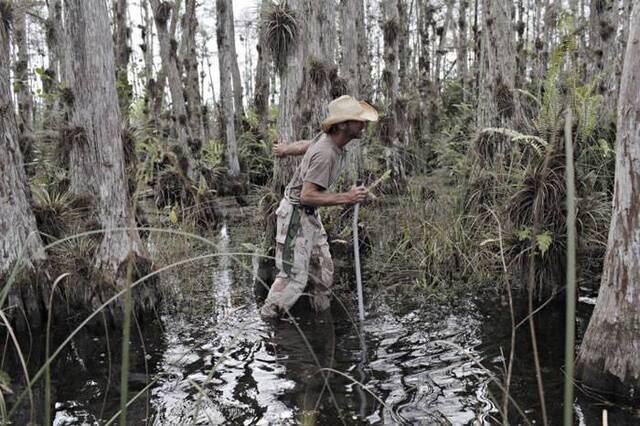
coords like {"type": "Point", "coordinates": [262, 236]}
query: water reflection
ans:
{"type": "Point", "coordinates": [219, 363]}
{"type": "Point", "coordinates": [306, 349]}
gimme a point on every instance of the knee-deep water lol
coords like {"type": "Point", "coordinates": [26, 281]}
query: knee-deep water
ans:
{"type": "Point", "coordinates": [414, 360]}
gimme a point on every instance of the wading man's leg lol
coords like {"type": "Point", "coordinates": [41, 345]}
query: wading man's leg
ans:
{"type": "Point", "coordinates": [321, 273]}
{"type": "Point", "coordinates": [293, 255]}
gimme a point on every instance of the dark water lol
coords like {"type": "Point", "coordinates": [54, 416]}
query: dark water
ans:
{"type": "Point", "coordinates": [214, 361]}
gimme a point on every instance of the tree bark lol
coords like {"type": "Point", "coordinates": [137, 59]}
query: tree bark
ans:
{"type": "Point", "coordinates": [122, 55]}
{"type": "Point", "coordinates": [227, 125]}
{"type": "Point", "coordinates": [428, 95]}
{"type": "Point", "coordinates": [605, 65]}
{"type": "Point", "coordinates": [168, 53]}
{"type": "Point", "coordinates": [55, 38]}
{"type": "Point", "coordinates": [351, 24]}
{"type": "Point", "coordinates": [20, 243]}
{"type": "Point", "coordinates": [189, 60]}
{"type": "Point", "coordinates": [22, 85]}
{"type": "Point", "coordinates": [393, 133]}
{"type": "Point", "coordinates": [97, 156]}
{"type": "Point", "coordinates": [365, 90]}
{"type": "Point", "coordinates": [261, 97]}
{"type": "Point", "coordinates": [461, 60]}
{"type": "Point", "coordinates": [608, 360]}
{"type": "Point", "coordinates": [151, 111]}
{"type": "Point", "coordinates": [441, 51]}
{"type": "Point", "coordinates": [17, 223]}
{"type": "Point", "coordinates": [235, 70]}
{"type": "Point", "coordinates": [498, 105]}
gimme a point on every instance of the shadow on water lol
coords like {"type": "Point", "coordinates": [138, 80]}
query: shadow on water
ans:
{"type": "Point", "coordinates": [218, 362]}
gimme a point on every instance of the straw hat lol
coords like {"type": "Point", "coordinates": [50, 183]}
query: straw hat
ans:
{"type": "Point", "coordinates": [346, 108]}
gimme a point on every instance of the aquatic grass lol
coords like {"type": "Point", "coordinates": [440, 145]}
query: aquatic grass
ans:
{"type": "Point", "coordinates": [362, 386]}
{"type": "Point", "coordinates": [95, 312]}
{"type": "Point", "coordinates": [570, 325]}
{"type": "Point", "coordinates": [47, 386]}
{"type": "Point", "coordinates": [512, 317]}
{"type": "Point", "coordinates": [154, 380]}
{"type": "Point", "coordinates": [44, 368]}
{"type": "Point", "coordinates": [23, 362]}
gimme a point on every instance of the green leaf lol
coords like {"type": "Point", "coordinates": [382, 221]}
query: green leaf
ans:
{"type": "Point", "coordinates": [543, 241]}
{"type": "Point", "coordinates": [523, 234]}
{"type": "Point", "coordinates": [5, 382]}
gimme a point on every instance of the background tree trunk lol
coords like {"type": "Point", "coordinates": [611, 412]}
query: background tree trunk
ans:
{"type": "Point", "coordinates": [189, 60]}
{"type": "Point", "coordinates": [604, 61]}
{"type": "Point", "coordinates": [391, 130]}
{"type": "Point", "coordinates": [97, 156]}
{"type": "Point", "coordinates": [261, 94]}
{"type": "Point", "coordinates": [461, 60]}
{"type": "Point", "coordinates": [122, 55]}
{"type": "Point", "coordinates": [608, 360]}
{"type": "Point", "coordinates": [428, 95]}
{"type": "Point", "coordinates": [498, 103]}
{"type": "Point", "coordinates": [364, 57]}
{"type": "Point", "coordinates": [441, 50]}
{"type": "Point", "coordinates": [20, 241]}
{"type": "Point", "coordinates": [168, 53]}
{"type": "Point", "coordinates": [351, 24]}
{"type": "Point", "coordinates": [235, 70]}
{"type": "Point", "coordinates": [227, 123]}
{"type": "Point", "coordinates": [22, 84]}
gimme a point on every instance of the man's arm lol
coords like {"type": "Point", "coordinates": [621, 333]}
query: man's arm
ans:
{"type": "Point", "coordinates": [313, 196]}
{"type": "Point", "coordinates": [294, 148]}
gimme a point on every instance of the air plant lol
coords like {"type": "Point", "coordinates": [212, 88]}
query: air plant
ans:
{"type": "Point", "coordinates": [281, 27]}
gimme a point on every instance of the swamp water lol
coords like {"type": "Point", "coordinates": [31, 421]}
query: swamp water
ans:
{"type": "Point", "coordinates": [216, 362]}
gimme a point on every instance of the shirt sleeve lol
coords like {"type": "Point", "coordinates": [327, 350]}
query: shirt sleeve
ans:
{"type": "Point", "coordinates": [319, 170]}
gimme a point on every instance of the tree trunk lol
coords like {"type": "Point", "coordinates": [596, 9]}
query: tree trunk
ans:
{"type": "Point", "coordinates": [365, 91]}
{"type": "Point", "coordinates": [605, 65]}
{"type": "Point", "coordinates": [392, 133]}
{"type": "Point", "coordinates": [428, 95]}
{"type": "Point", "coordinates": [55, 38]}
{"type": "Point", "coordinates": [499, 105]}
{"type": "Point", "coordinates": [521, 54]}
{"type": "Point", "coordinates": [441, 51]}
{"type": "Point", "coordinates": [168, 53]}
{"type": "Point", "coordinates": [122, 54]}
{"type": "Point", "coordinates": [227, 124]}
{"type": "Point", "coordinates": [97, 156]}
{"type": "Point", "coordinates": [261, 98]}
{"type": "Point", "coordinates": [404, 49]}
{"type": "Point", "coordinates": [608, 360]}
{"type": "Point", "coordinates": [235, 70]}
{"type": "Point", "coordinates": [22, 85]}
{"type": "Point", "coordinates": [146, 36]}
{"type": "Point", "coordinates": [189, 59]}
{"type": "Point", "coordinates": [461, 59]}
{"type": "Point", "coordinates": [20, 243]}
{"type": "Point", "coordinates": [351, 12]}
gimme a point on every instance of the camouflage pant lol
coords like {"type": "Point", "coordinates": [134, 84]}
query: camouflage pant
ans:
{"type": "Point", "coordinates": [302, 252]}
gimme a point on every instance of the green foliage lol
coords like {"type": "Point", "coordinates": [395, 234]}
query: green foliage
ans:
{"type": "Point", "coordinates": [255, 158]}
{"type": "Point", "coordinates": [281, 26]}
{"type": "Point", "coordinates": [543, 241]}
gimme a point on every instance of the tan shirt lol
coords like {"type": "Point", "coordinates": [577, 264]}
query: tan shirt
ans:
{"type": "Point", "coordinates": [321, 164]}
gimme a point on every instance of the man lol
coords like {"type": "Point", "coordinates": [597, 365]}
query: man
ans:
{"type": "Point", "coordinates": [302, 250]}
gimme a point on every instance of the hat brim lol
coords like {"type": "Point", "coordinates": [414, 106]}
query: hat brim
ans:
{"type": "Point", "coordinates": [366, 113]}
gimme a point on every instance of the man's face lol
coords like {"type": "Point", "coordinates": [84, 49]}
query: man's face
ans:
{"type": "Point", "coordinates": [354, 129]}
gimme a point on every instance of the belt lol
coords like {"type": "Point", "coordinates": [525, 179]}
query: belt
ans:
{"type": "Point", "coordinates": [307, 209]}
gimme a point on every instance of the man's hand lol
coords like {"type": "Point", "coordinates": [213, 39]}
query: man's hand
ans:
{"type": "Point", "coordinates": [357, 194]}
{"type": "Point", "coordinates": [280, 149]}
